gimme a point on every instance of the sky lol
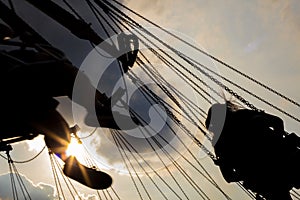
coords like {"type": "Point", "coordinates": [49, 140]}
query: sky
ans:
{"type": "Point", "coordinates": [259, 38]}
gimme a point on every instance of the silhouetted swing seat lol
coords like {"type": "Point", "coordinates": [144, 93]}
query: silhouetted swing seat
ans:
{"type": "Point", "coordinates": [253, 147]}
{"type": "Point", "coordinates": [87, 176]}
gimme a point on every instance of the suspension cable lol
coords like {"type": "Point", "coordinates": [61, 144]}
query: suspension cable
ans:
{"type": "Point", "coordinates": [12, 181]}
{"type": "Point", "coordinates": [21, 182]}
{"type": "Point", "coordinates": [179, 168]}
{"type": "Point", "coordinates": [184, 57]}
{"type": "Point", "coordinates": [159, 157]}
{"type": "Point", "coordinates": [210, 179]}
{"type": "Point", "coordinates": [67, 181]}
{"type": "Point", "coordinates": [164, 89]}
{"type": "Point", "coordinates": [56, 177]}
{"type": "Point", "coordinates": [127, 167]}
{"type": "Point", "coordinates": [207, 54]}
{"type": "Point", "coordinates": [156, 77]}
{"type": "Point", "coordinates": [295, 194]}
{"type": "Point", "coordinates": [169, 64]}
{"type": "Point", "coordinates": [89, 135]}
{"type": "Point", "coordinates": [226, 88]}
{"type": "Point", "coordinates": [179, 138]}
{"type": "Point", "coordinates": [109, 193]}
{"type": "Point", "coordinates": [177, 120]}
{"type": "Point", "coordinates": [229, 91]}
{"type": "Point", "coordinates": [73, 10]}
{"type": "Point", "coordinates": [115, 193]}
{"type": "Point", "coordinates": [14, 171]}
{"type": "Point", "coordinates": [129, 147]}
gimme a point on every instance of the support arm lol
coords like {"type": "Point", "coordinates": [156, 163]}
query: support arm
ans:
{"type": "Point", "coordinates": [79, 28]}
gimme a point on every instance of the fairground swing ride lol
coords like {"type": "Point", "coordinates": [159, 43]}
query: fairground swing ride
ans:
{"type": "Point", "coordinates": [167, 104]}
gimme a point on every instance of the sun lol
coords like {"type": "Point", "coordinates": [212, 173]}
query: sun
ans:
{"type": "Point", "coordinates": [75, 148]}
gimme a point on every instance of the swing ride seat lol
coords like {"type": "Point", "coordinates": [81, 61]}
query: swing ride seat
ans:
{"type": "Point", "coordinates": [106, 118]}
{"type": "Point", "coordinates": [89, 177]}
{"type": "Point", "coordinates": [274, 172]}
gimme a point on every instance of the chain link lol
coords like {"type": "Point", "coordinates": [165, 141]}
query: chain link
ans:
{"type": "Point", "coordinates": [178, 122]}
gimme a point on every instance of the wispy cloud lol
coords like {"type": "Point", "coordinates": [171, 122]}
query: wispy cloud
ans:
{"type": "Point", "coordinates": [39, 191]}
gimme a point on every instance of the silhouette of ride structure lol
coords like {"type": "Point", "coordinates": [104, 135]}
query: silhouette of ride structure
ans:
{"type": "Point", "coordinates": [253, 147]}
{"type": "Point", "coordinates": [32, 75]}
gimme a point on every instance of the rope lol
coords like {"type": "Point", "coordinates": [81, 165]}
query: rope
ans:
{"type": "Point", "coordinates": [162, 102]}
{"type": "Point", "coordinates": [177, 71]}
{"type": "Point", "coordinates": [183, 98]}
{"type": "Point", "coordinates": [184, 57]}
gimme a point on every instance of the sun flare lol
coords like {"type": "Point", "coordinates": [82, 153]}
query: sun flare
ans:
{"type": "Point", "coordinates": [74, 148]}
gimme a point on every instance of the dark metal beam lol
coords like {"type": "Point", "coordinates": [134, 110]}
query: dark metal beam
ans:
{"type": "Point", "coordinates": [18, 25]}
{"type": "Point", "coordinates": [79, 28]}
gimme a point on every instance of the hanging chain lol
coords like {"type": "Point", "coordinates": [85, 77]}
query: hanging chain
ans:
{"type": "Point", "coordinates": [178, 122]}
{"type": "Point", "coordinates": [127, 19]}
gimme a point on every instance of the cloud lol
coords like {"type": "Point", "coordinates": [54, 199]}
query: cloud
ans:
{"type": "Point", "coordinates": [40, 191]}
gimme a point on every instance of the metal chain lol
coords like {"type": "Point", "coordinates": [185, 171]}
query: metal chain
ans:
{"type": "Point", "coordinates": [178, 122]}
{"type": "Point", "coordinates": [210, 56]}
{"type": "Point", "coordinates": [184, 57]}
